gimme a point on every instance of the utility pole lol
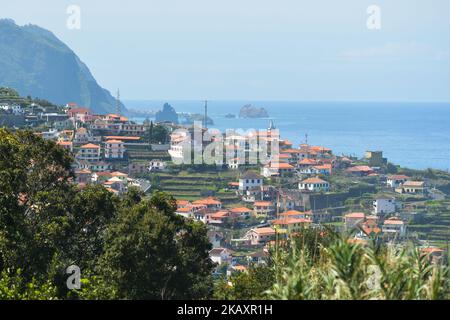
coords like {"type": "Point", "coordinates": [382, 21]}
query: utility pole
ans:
{"type": "Point", "coordinates": [118, 109]}
{"type": "Point", "coordinates": [205, 125]}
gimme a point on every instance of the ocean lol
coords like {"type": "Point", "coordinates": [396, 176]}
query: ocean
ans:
{"type": "Point", "coordinates": [413, 135]}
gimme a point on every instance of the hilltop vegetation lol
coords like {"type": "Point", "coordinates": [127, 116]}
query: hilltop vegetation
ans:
{"type": "Point", "coordinates": [36, 63]}
{"type": "Point", "coordinates": [11, 96]}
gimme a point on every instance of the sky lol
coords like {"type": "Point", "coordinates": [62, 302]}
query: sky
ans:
{"type": "Point", "coordinates": [289, 50]}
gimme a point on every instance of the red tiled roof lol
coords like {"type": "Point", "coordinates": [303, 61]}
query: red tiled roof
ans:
{"type": "Point", "coordinates": [288, 221]}
{"type": "Point", "coordinates": [356, 215]}
{"type": "Point", "coordinates": [207, 201]}
{"type": "Point", "coordinates": [314, 180]}
{"type": "Point", "coordinates": [90, 146]}
{"type": "Point", "coordinates": [263, 204]}
{"type": "Point", "coordinates": [240, 210]}
{"type": "Point", "coordinates": [264, 231]}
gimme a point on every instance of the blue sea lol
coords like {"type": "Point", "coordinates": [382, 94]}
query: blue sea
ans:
{"type": "Point", "coordinates": [414, 135]}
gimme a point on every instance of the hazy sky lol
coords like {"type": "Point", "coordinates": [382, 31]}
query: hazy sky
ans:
{"type": "Point", "coordinates": [256, 49]}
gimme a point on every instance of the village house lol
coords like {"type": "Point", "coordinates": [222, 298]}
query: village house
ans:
{"type": "Point", "coordinates": [120, 175]}
{"type": "Point", "coordinates": [82, 136]}
{"type": "Point", "coordinates": [286, 201]}
{"type": "Point", "coordinates": [395, 181]}
{"type": "Point", "coordinates": [384, 205]}
{"type": "Point", "coordinates": [263, 208]}
{"type": "Point", "coordinates": [117, 184]}
{"type": "Point", "coordinates": [241, 212]}
{"type": "Point", "coordinates": [209, 202]}
{"type": "Point", "coordinates": [220, 217]}
{"type": "Point", "coordinates": [360, 171]}
{"type": "Point", "coordinates": [369, 228]}
{"type": "Point", "coordinates": [294, 214]}
{"type": "Point", "coordinates": [277, 169]}
{"type": "Point", "coordinates": [250, 180]}
{"type": "Point", "coordinates": [375, 158]}
{"type": "Point", "coordinates": [314, 185]}
{"type": "Point", "coordinates": [220, 255]}
{"type": "Point", "coordinates": [412, 187]}
{"type": "Point", "coordinates": [307, 163]}
{"type": "Point", "coordinates": [394, 227]}
{"type": "Point", "coordinates": [354, 220]}
{"type": "Point", "coordinates": [324, 169]}
{"type": "Point", "coordinates": [260, 236]}
{"type": "Point", "coordinates": [290, 225]}
{"type": "Point", "coordinates": [80, 114]}
{"type": "Point", "coordinates": [83, 176]}
{"type": "Point", "coordinates": [187, 212]}
{"type": "Point", "coordinates": [114, 149]}
{"type": "Point", "coordinates": [137, 167]}
{"type": "Point", "coordinates": [89, 152]}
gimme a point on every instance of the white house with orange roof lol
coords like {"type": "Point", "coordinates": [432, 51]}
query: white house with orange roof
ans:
{"type": "Point", "coordinates": [290, 225]}
{"type": "Point", "coordinates": [210, 203]}
{"type": "Point", "coordinates": [116, 183]}
{"type": "Point", "coordinates": [120, 175]}
{"type": "Point", "coordinates": [182, 203]}
{"type": "Point", "coordinates": [220, 255]}
{"type": "Point", "coordinates": [187, 212]}
{"type": "Point", "coordinates": [241, 211]}
{"type": "Point", "coordinates": [263, 208]}
{"type": "Point", "coordinates": [307, 163]}
{"type": "Point", "coordinates": [79, 114]}
{"type": "Point", "coordinates": [89, 152]}
{"type": "Point", "coordinates": [260, 236]}
{"type": "Point", "coordinates": [293, 214]}
{"type": "Point", "coordinates": [394, 227]}
{"type": "Point", "coordinates": [412, 187]}
{"type": "Point", "coordinates": [277, 169]}
{"type": "Point", "coordinates": [114, 149]}
{"type": "Point", "coordinates": [360, 171]}
{"type": "Point", "coordinates": [396, 180]}
{"type": "Point", "coordinates": [314, 185]}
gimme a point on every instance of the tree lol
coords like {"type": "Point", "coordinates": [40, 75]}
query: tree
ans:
{"type": "Point", "coordinates": [34, 190]}
{"type": "Point", "coordinates": [250, 285]}
{"type": "Point", "coordinates": [157, 133]}
{"type": "Point", "coordinates": [151, 253]}
{"type": "Point", "coordinates": [13, 287]}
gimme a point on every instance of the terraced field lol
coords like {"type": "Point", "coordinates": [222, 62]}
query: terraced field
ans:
{"type": "Point", "coordinates": [144, 153]}
{"type": "Point", "coordinates": [193, 186]}
{"type": "Point", "coordinates": [436, 225]}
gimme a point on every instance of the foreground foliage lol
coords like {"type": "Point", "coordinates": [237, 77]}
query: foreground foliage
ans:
{"type": "Point", "coordinates": [127, 248]}
{"type": "Point", "coordinates": [331, 267]}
